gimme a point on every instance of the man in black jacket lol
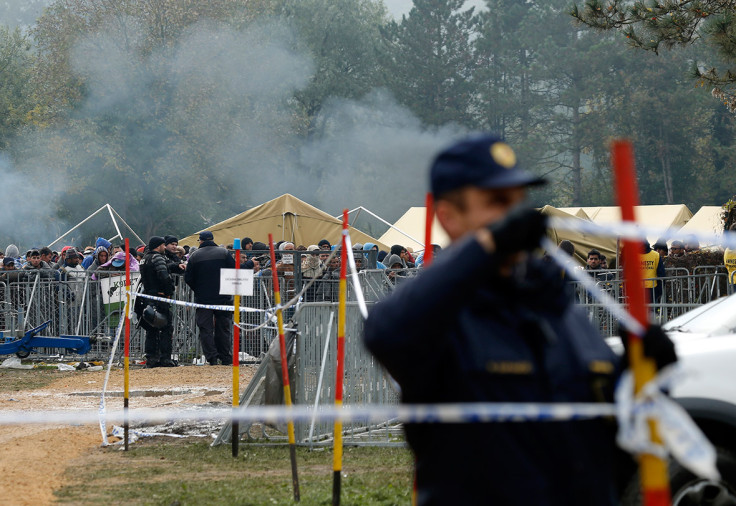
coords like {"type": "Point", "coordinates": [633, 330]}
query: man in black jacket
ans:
{"type": "Point", "coordinates": [157, 281]}
{"type": "Point", "coordinates": [174, 263]}
{"type": "Point", "coordinates": [203, 277]}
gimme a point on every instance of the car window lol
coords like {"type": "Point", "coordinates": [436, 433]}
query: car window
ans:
{"type": "Point", "coordinates": [715, 317]}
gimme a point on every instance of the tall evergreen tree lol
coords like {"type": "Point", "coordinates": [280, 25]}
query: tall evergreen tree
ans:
{"type": "Point", "coordinates": [431, 61]}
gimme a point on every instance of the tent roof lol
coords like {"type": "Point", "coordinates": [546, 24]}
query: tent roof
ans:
{"type": "Point", "coordinates": [287, 218]}
{"type": "Point", "coordinates": [412, 224]}
{"type": "Point", "coordinates": [582, 241]}
{"type": "Point", "coordinates": [666, 216]}
{"type": "Point", "coordinates": [707, 221]}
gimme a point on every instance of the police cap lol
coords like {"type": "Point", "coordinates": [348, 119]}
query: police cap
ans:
{"type": "Point", "coordinates": [482, 161]}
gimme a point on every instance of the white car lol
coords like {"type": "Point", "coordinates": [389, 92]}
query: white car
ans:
{"type": "Point", "coordinates": [705, 339]}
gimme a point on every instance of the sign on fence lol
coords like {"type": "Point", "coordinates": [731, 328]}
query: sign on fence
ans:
{"type": "Point", "coordinates": [113, 294]}
{"type": "Point", "coordinates": [236, 281]}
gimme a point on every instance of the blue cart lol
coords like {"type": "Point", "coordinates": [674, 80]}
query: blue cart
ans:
{"type": "Point", "coordinates": [22, 347]}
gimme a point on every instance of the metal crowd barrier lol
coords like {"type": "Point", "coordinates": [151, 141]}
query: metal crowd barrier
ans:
{"type": "Point", "coordinates": [679, 292]}
{"type": "Point", "coordinates": [91, 304]}
{"type": "Point", "coordinates": [314, 383]}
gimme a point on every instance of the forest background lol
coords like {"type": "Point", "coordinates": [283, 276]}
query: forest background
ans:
{"type": "Point", "coordinates": [181, 113]}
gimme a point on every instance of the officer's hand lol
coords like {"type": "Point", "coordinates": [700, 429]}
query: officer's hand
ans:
{"type": "Point", "coordinates": [521, 230]}
{"type": "Point", "coordinates": [657, 346]}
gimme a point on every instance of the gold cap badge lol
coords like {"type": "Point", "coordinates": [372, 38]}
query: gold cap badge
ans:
{"type": "Point", "coordinates": [503, 154]}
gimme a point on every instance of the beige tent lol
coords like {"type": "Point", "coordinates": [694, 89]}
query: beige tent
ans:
{"type": "Point", "coordinates": [409, 230]}
{"type": "Point", "coordinates": [707, 220]}
{"type": "Point", "coordinates": [287, 218]}
{"type": "Point", "coordinates": [664, 216]}
{"type": "Point", "coordinates": [583, 242]}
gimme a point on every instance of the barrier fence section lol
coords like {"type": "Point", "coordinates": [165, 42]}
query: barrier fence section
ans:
{"type": "Point", "coordinates": [91, 304]}
{"type": "Point", "coordinates": [676, 294]}
{"type": "Point", "coordinates": [365, 381]}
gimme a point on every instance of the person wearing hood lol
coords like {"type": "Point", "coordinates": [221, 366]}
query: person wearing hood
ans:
{"type": "Point", "coordinates": [90, 259]}
{"type": "Point", "coordinates": [367, 248]}
{"type": "Point", "coordinates": [12, 252]}
{"type": "Point", "coordinates": [395, 268]}
{"type": "Point", "coordinates": [100, 257]}
{"type": "Point", "coordinates": [116, 265]}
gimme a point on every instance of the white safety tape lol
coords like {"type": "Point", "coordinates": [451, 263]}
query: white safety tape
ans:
{"type": "Point", "coordinates": [635, 231]}
{"type": "Point", "coordinates": [406, 413]}
{"type": "Point", "coordinates": [113, 348]}
{"type": "Point", "coordinates": [681, 437]}
{"type": "Point", "coordinates": [579, 275]}
{"type": "Point", "coordinates": [243, 309]}
{"type": "Point", "coordinates": [354, 275]}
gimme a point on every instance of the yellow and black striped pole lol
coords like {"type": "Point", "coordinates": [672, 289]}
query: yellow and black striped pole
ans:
{"type": "Point", "coordinates": [284, 368]}
{"type": "Point", "coordinates": [340, 372]}
{"type": "Point", "coordinates": [126, 352]}
{"type": "Point", "coordinates": [235, 433]}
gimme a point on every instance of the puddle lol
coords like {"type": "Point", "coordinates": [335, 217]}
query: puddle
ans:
{"type": "Point", "coordinates": [150, 393]}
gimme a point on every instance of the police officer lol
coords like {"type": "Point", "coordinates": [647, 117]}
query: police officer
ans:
{"type": "Point", "coordinates": [489, 321]}
{"type": "Point", "coordinates": [203, 277]}
{"type": "Point", "coordinates": [157, 281]}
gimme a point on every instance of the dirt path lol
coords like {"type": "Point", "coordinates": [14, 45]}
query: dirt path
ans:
{"type": "Point", "coordinates": [33, 458]}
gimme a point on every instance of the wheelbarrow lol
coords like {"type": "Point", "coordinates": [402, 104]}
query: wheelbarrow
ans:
{"type": "Point", "coordinates": [22, 347]}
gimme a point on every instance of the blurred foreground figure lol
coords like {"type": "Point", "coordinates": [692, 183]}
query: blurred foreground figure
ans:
{"type": "Point", "coordinates": [491, 322]}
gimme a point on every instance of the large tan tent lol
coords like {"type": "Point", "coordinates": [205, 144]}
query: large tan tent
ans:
{"type": "Point", "coordinates": [708, 220]}
{"type": "Point", "coordinates": [583, 242]}
{"type": "Point", "coordinates": [409, 230]}
{"type": "Point", "coordinates": [664, 216]}
{"type": "Point", "coordinates": [287, 218]}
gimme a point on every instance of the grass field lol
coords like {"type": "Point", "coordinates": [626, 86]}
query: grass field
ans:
{"type": "Point", "coordinates": [188, 471]}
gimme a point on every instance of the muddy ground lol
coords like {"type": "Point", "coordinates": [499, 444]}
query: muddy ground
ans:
{"type": "Point", "coordinates": [33, 458]}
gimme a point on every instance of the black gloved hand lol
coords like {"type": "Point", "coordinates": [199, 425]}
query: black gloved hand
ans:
{"type": "Point", "coordinates": [521, 230]}
{"type": "Point", "coordinates": [656, 344]}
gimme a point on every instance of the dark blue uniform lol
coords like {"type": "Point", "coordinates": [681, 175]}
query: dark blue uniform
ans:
{"type": "Point", "coordinates": [461, 333]}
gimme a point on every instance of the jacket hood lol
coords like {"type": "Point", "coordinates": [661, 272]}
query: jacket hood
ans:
{"type": "Point", "coordinates": [101, 241]}
{"type": "Point", "coordinates": [12, 251]}
{"type": "Point", "coordinates": [393, 259]}
{"type": "Point", "coordinates": [120, 255]}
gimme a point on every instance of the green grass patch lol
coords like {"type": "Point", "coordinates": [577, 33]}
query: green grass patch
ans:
{"type": "Point", "coordinates": [12, 380]}
{"type": "Point", "coordinates": [167, 472]}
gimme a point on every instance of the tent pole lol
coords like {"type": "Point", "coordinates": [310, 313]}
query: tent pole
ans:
{"type": "Point", "coordinates": [127, 226]}
{"type": "Point", "coordinates": [77, 225]}
{"type": "Point", "coordinates": [114, 222]}
{"type": "Point", "coordinates": [387, 223]}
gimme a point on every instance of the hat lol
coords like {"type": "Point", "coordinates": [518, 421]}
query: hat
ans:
{"type": "Point", "coordinates": [34, 253]}
{"type": "Point", "coordinates": [169, 239]}
{"type": "Point", "coordinates": [70, 253]}
{"type": "Point", "coordinates": [206, 236]}
{"type": "Point", "coordinates": [89, 250]}
{"type": "Point", "coordinates": [246, 240]}
{"type": "Point", "coordinates": [118, 262]}
{"type": "Point", "coordinates": [8, 261]}
{"type": "Point", "coordinates": [155, 241]}
{"type": "Point", "coordinates": [259, 246]}
{"type": "Point", "coordinates": [324, 242]}
{"type": "Point", "coordinates": [312, 247]}
{"type": "Point", "coordinates": [483, 161]}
